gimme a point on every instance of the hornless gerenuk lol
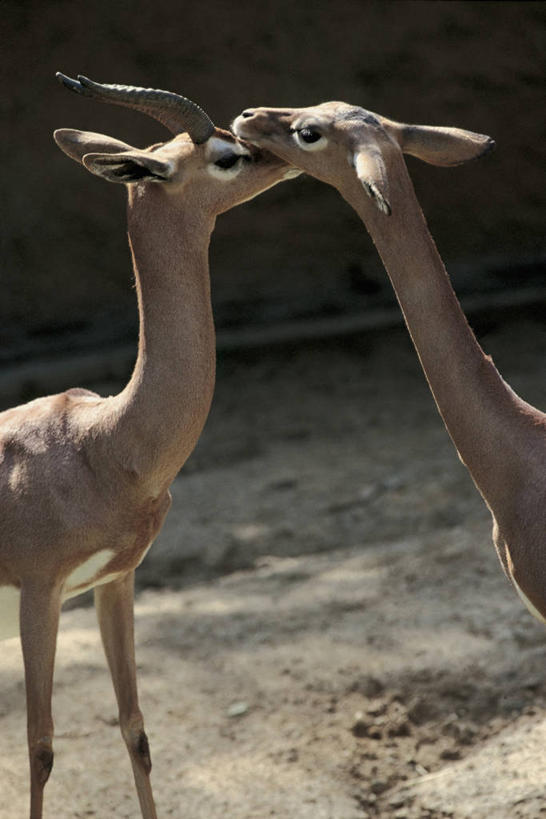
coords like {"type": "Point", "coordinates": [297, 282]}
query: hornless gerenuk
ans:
{"type": "Point", "coordinates": [500, 438]}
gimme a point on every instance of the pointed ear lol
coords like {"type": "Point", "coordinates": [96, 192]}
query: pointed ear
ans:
{"type": "Point", "coordinates": [78, 143]}
{"type": "Point", "coordinates": [130, 166]}
{"type": "Point", "coordinates": [442, 146]}
{"type": "Point", "coordinates": [370, 169]}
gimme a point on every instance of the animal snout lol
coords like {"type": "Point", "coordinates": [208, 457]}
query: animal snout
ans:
{"type": "Point", "coordinates": [251, 124]}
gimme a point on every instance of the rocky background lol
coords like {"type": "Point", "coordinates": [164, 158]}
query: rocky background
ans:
{"type": "Point", "coordinates": [298, 250]}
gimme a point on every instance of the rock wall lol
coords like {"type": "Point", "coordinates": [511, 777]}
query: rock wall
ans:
{"type": "Point", "coordinates": [298, 249]}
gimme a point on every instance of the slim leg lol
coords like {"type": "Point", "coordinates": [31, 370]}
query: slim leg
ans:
{"type": "Point", "coordinates": [114, 605]}
{"type": "Point", "coordinates": [40, 609]}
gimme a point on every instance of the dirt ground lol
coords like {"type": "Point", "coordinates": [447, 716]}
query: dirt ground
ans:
{"type": "Point", "coordinates": [323, 628]}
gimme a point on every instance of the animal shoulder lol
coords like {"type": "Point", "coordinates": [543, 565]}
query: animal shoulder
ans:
{"type": "Point", "coordinates": [45, 412]}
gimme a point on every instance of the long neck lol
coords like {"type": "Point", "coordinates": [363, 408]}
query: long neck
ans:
{"type": "Point", "coordinates": [161, 412]}
{"type": "Point", "coordinates": [484, 417]}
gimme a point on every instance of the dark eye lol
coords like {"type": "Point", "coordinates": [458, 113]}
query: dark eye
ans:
{"type": "Point", "coordinates": [227, 161]}
{"type": "Point", "coordinates": [309, 135]}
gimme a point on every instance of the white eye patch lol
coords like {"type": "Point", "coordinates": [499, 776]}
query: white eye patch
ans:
{"type": "Point", "coordinates": [309, 137]}
{"type": "Point", "coordinates": [224, 158]}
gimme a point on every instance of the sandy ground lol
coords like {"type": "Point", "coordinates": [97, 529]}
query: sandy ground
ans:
{"type": "Point", "coordinates": [323, 628]}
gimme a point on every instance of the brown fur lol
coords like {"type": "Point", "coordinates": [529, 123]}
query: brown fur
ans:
{"type": "Point", "coordinates": [80, 474]}
{"type": "Point", "coordinates": [500, 437]}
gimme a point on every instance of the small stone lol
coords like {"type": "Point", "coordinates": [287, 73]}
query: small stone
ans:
{"type": "Point", "coordinates": [379, 785]}
{"type": "Point", "coordinates": [450, 753]}
{"type": "Point", "coordinates": [360, 725]}
{"type": "Point", "coordinates": [397, 802]}
{"type": "Point", "coordinates": [377, 708]}
{"type": "Point", "coordinates": [367, 685]}
{"type": "Point", "coordinates": [400, 729]}
{"type": "Point", "coordinates": [237, 709]}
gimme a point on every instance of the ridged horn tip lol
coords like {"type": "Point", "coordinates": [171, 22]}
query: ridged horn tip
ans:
{"type": "Point", "coordinates": [176, 112]}
{"type": "Point", "coordinates": [68, 82]}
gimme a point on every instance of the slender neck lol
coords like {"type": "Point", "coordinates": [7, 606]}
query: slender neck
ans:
{"type": "Point", "coordinates": [478, 407]}
{"type": "Point", "coordinates": [161, 412]}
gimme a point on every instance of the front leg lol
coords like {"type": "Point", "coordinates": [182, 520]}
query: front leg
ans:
{"type": "Point", "coordinates": [39, 616]}
{"type": "Point", "coordinates": [114, 605]}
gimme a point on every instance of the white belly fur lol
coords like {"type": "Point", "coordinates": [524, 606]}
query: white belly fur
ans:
{"type": "Point", "coordinates": [84, 577]}
{"type": "Point", "coordinates": [534, 611]}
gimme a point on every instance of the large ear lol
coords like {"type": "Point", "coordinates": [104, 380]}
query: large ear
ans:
{"type": "Point", "coordinates": [370, 169]}
{"type": "Point", "coordinates": [130, 166]}
{"type": "Point", "coordinates": [441, 146]}
{"type": "Point", "coordinates": [78, 143]}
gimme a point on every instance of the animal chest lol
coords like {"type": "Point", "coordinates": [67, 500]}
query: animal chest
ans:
{"type": "Point", "coordinates": [120, 547]}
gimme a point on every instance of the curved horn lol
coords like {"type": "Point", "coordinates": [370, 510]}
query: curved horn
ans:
{"type": "Point", "coordinates": [177, 113]}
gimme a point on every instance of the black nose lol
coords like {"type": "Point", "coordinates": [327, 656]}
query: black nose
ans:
{"type": "Point", "coordinates": [247, 114]}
